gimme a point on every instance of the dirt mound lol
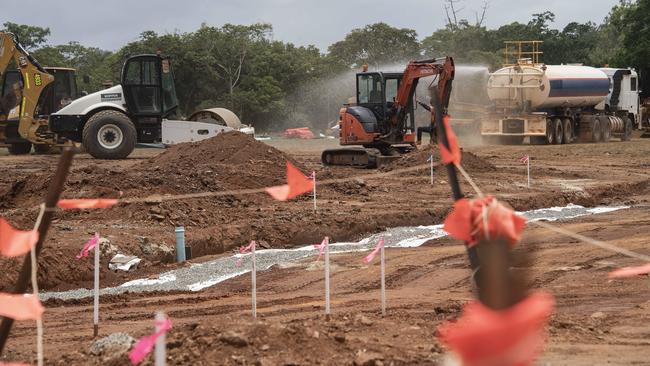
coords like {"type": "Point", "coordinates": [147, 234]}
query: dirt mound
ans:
{"type": "Point", "coordinates": [469, 161]}
{"type": "Point", "coordinates": [230, 160]}
{"type": "Point", "coordinates": [227, 161]}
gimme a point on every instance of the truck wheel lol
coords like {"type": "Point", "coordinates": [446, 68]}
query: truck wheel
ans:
{"type": "Point", "coordinates": [627, 134]}
{"type": "Point", "coordinates": [567, 128]}
{"type": "Point", "coordinates": [606, 131]}
{"type": "Point", "coordinates": [550, 131]}
{"type": "Point", "coordinates": [596, 130]}
{"type": "Point", "coordinates": [109, 135]}
{"type": "Point", "coordinates": [557, 136]}
{"type": "Point", "coordinates": [20, 148]}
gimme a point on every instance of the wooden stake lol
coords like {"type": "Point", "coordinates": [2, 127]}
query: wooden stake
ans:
{"type": "Point", "coordinates": [254, 281]}
{"type": "Point", "coordinates": [51, 199]}
{"type": "Point", "coordinates": [327, 277]}
{"type": "Point", "coordinates": [313, 174]}
{"type": "Point", "coordinates": [160, 350]}
{"type": "Point", "coordinates": [383, 283]}
{"type": "Point", "coordinates": [431, 160]}
{"type": "Point", "coordinates": [528, 166]}
{"type": "Point", "coordinates": [96, 293]}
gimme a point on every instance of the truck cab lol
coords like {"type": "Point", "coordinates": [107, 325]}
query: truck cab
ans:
{"type": "Point", "coordinates": [624, 93]}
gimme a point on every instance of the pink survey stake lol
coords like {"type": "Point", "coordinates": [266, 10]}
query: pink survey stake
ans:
{"type": "Point", "coordinates": [243, 250]}
{"type": "Point", "coordinates": [145, 345]}
{"type": "Point", "coordinates": [374, 252]}
{"type": "Point", "coordinates": [90, 244]}
{"type": "Point", "coordinates": [321, 247]}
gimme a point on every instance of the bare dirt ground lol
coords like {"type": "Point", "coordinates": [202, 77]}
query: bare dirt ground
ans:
{"type": "Point", "coordinates": [598, 321]}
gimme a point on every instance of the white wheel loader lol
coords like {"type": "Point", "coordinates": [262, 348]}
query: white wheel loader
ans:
{"type": "Point", "coordinates": [110, 122]}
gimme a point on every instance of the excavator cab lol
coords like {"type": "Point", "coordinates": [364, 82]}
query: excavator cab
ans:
{"type": "Point", "coordinates": [148, 85]}
{"type": "Point", "coordinates": [376, 91]}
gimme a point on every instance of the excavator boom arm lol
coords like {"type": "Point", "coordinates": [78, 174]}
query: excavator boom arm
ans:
{"type": "Point", "coordinates": [34, 78]}
{"type": "Point", "coordinates": [416, 70]}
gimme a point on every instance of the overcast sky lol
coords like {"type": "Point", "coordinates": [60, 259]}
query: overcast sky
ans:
{"type": "Point", "coordinates": [111, 24]}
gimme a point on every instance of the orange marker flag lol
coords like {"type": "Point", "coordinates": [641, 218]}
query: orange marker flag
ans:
{"type": "Point", "coordinates": [13, 364]}
{"type": "Point", "coordinates": [85, 203]}
{"type": "Point", "coordinates": [510, 337]}
{"type": "Point", "coordinates": [298, 184]}
{"type": "Point", "coordinates": [451, 155]}
{"type": "Point", "coordinates": [483, 218]}
{"type": "Point", "coordinates": [14, 242]}
{"type": "Point", "coordinates": [630, 271]}
{"type": "Point", "coordinates": [20, 307]}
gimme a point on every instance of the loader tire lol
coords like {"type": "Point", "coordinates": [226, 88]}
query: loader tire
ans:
{"type": "Point", "coordinates": [109, 135]}
{"type": "Point", "coordinates": [20, 148]}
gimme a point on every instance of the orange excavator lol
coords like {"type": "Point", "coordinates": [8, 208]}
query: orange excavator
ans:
{"type": "Point", "coordinates": [382, 121]}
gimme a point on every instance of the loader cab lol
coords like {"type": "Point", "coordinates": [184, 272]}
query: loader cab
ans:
{"type": "Point", "coordinates": [10, 94]}
{"type": "Point", "coordinates": [61, 92]}
{"type": "Point", "coordinates": [54, 97]}
{"type": "Point", "coordinates": [148, 86]}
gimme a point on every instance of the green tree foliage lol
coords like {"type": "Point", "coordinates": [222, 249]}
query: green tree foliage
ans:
{"type": "Point", "coordinates": [29, 36]}
{"type": "Point", "coordinates": [633, 21]}
{"type": "Point", "coordinates": [376, 44]}
{"type": "Point", "coordinates": [273, 85]}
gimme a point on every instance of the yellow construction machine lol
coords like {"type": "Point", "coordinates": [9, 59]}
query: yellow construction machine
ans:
{"type": "Point", "coordinates": [28, 95]}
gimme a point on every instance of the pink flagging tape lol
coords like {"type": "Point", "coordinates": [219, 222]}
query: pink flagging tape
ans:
{"type": "Point", "coordinates": [13, 364]}
{"type": "Point", "coordinates": [367, 259]}
{"type": "Point", "coordinates": [630, 271]}
{"type": "Point", "coordinates": [90, 244]}
{"type": "Point", "coordinates": [14, 242]}
{"type": "Point", "coordinates": [244, 250]}
{"type": "Point", "coordinates": [524, 159]}
{"type": "Point", "coordinates": [20, 307]}
{"type": "Point", "coordinates": [145, 345]}
{"type": "Point", "coordinates": [510, 337]}
{"type": "Point", "coordinates": [297, 184]}
{"type": "Point", "coordinates": [86, 203]}
{"type": "Point", "coordinates": [321, 247]}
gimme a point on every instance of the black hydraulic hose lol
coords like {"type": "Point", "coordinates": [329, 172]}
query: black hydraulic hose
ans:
{"type": "Point", "coordinates": [451, 170]}
{"type": "Point", "coordinates": [24, 52]}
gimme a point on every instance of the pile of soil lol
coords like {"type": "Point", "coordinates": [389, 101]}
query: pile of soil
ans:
{"type": "Point", "coordinates": [228, 161]}
{"type": "Point", "coordinates": [469, 161]}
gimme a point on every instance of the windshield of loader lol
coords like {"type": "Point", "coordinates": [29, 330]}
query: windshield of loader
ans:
{"type": "Point", "coordinates": [170, 101]}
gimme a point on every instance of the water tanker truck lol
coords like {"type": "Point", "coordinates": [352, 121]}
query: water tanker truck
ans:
{"type": "Point", "coordinates": [560, 104]}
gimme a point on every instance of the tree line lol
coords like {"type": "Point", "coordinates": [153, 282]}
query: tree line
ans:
{"type": "Point", "coordinates": [273, 84]}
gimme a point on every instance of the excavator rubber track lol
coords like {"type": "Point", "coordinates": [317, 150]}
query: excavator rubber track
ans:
{"type": "Point", "coordinates": [359, 158]}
